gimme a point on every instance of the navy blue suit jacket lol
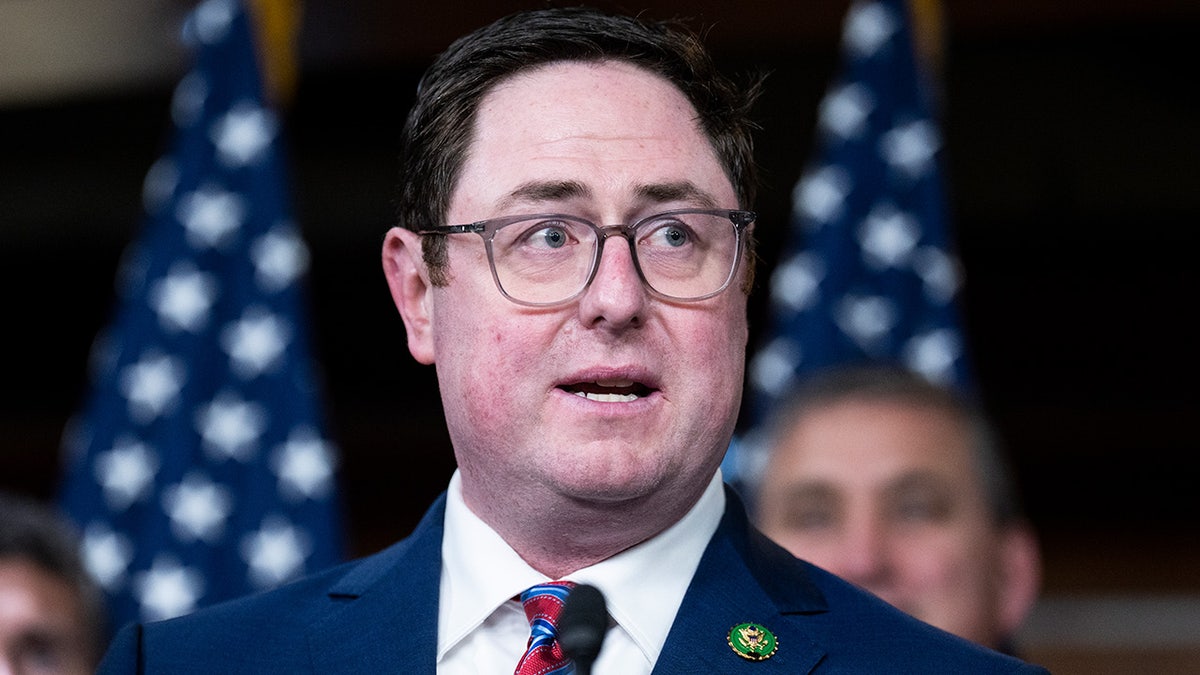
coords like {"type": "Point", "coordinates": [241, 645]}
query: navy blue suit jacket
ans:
{"type": "Point", "coordinates": [379, 615]}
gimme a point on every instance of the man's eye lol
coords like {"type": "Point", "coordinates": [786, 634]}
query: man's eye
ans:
{"type": "Point", "coordinates": [42, 653]}
{"type": "Point", "coordinates": [922, 510]}
{"type": "Point", "coordinates": [552, 237]}
{"type": "Point", "coordinates": [674, 236]}
{"type": "Point", "coordinates": [546, 235]}
{"type": "Point", "coordinates": [811, 519]}
{"type": "Point", "coordinates": [669, 235]}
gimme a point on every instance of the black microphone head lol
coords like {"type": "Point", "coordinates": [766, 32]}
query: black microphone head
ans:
{"type": "Point", "coordinates": [582, 624]}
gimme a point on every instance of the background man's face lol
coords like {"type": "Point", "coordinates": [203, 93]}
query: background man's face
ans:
{"type": "Point", "coordinates": [886, 496]}
{"type": "Point", "coordinates": [41, 623]}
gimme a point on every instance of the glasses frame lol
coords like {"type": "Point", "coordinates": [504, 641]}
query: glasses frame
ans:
{"type": "Point", "coordinates": [487, 229]}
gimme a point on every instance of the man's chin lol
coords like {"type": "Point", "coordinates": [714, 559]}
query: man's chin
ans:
{"type": "Point", "coordinates": [606, 487]}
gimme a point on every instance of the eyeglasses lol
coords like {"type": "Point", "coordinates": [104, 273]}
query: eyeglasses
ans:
{"type": "Point", "coordinates": [544, 260]}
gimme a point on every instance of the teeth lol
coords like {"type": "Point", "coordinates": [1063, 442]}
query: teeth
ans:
{"type": "Point", "coordinates": [607, 398]}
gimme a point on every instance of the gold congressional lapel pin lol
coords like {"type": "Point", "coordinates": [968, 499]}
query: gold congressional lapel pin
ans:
{"type": "Point", "coordinates": [752, 641]}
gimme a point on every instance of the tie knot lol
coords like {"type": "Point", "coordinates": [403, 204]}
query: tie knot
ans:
{"type": "Point", "coordinates": [543, 655]}
{"type": "Point", "coordinates": [543, 603]}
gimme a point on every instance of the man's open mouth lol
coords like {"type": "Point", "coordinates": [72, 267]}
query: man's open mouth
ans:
{"type": "Point", "coordinates": [609, 392]}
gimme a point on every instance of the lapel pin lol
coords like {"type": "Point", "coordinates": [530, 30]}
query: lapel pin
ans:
{"type": "Point", "coordinates": [752, 641]}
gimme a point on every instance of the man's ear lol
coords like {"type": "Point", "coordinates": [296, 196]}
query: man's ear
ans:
{"type": "Point", "coordinates": [408, 281]}
{"type": "Point", "coordinates": [1021, 575]}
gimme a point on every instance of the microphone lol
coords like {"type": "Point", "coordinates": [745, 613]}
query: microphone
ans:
{"type": "Point", "coordinates": [582, 625]}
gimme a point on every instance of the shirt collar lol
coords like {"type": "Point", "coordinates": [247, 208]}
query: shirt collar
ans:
{"type": "Point", "coordinates": [643, 585]}
{"type": "Point", "coordinates": [470, 592]}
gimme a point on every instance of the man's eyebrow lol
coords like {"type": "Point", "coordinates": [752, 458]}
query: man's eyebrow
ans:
{"type": "Point", "coordinates": [920, 479]}
{"type": "Point", "coordinates": [682, 191]}
{"type": "Point", "coordinates": [653, 193]}
{"type": "Point", "coordinates": [811, 490]}
{"type": "Point", "coordinates": [545, 191]}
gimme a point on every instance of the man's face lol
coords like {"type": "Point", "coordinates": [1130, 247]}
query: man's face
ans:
{"type": "Point", "coordinates": [885, 495]}
{"type": "Point", "coordinates": [41, 625]}
{"type": "Point", "coordinates": [527, 391]}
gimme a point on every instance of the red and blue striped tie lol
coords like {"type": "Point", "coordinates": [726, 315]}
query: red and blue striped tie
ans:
{"type": "Point", "coordinates": [544, 656]}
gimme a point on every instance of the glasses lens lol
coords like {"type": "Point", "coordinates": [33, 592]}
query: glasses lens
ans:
{"type": "Point", "coordinates": [543, 260]}
{"type": "Point", "coordinates": [687, 255]}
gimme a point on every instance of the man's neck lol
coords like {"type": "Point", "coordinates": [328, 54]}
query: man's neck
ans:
{"type": "Point", "coordinates": [575, 534]}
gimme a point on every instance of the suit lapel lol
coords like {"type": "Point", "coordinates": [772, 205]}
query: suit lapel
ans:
{"type": "Point", "coordinates": [383, 615]}
{"type": "Point", "coordinates": [742, 578]}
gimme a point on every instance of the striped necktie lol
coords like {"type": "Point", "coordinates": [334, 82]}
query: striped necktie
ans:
{"type": "Point", "coordinates": [542, 604]}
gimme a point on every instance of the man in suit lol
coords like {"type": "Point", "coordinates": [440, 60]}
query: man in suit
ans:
{"type": "Point", "coordinates": [575, 256]}
{"type": "Point", "coordinates": [899, 485]}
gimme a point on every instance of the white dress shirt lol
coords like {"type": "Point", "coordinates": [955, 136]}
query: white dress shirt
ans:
{"type": "Point", "coordinates": [482, 630]}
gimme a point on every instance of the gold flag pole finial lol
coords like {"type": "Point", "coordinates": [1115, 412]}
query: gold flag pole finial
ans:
{"type": "Point", "coordinates": [277, 32]}
{"type": "Point", "coordinates": [929, 32]}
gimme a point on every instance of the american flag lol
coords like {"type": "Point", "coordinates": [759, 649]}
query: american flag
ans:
{"type": "Point", "coordinates": [868, 273]}
{"type": "Point", "coordinates": [198, 468]}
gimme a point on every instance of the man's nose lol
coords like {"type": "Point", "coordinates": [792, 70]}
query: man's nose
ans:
{"type": "Point", "coordinates": [616, 297]}
{"type": "Point", "coordinates": [864, 554]}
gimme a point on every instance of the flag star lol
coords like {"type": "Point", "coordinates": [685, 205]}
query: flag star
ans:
{"type": "Point", "coordinates": [275, 553]}
{"type": "Point", "coordinates": [868, 27]}
{"type": "Point", "coordinates": [243, 134]}
{"type": "Point", "coordinates": [795, 283]}
{"type": "Point", "coordinates": [197, 508]}
{"type": "Point", "coordinates": [152, 385]}
{"type": "Point", "coordinates": [211, 20]}
{"type": "Point", "coordinates": [255, 342]}
{"type": "Point", "coordinates": [820, 195]}
{"type": "Point", "coordinates": [844, 111]}
{"type": "Point", "coordinates": [933, 354]}
{"type": "Point", "coordinates": [211, 215]}
{"type": "Point", "coordinates": [106, 554]}
{"type": "Point", "coordinates": [183, 298]}
{"type": "Point", "coordinates": [774, 366]}
{"type": "Point", "coordinates": [167, 589]}
{"type": "Point", "coordinates": [230, 427]}
{"type": "Point", "coordinates": [939, 273]}
{"type": "Point", "coordinates": [909, 149]}
{"type": "Point", "coordinates": [865, 319]}
{"type": "Point", "coordinates": [125, 472]}
{"type": "Point", "coordinates": [280, 257]}
{"type": "Point", "coordinates": [304, 465]}
{"type": "Point", "coordinates": [159, 184]}
{"type": "Point", "coordinates": [888, 237]}
{"type": "Point", "coordinates": [187, 103]}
